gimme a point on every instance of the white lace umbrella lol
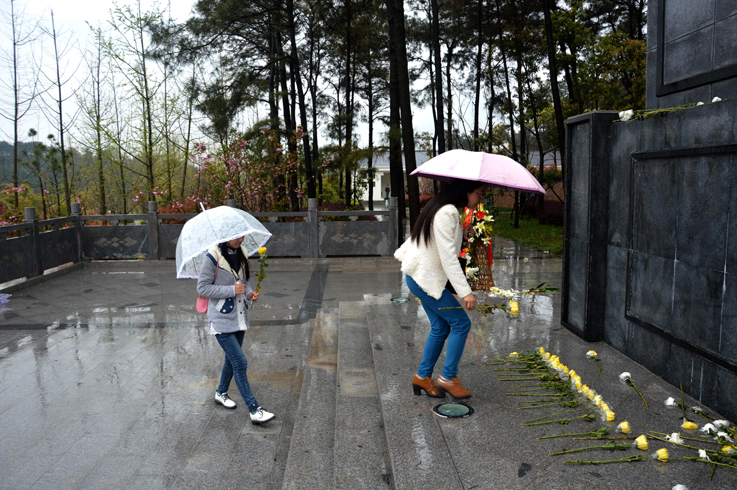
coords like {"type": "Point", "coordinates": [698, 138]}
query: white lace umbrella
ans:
{"type": "Point", "coordinates": [214, 226]}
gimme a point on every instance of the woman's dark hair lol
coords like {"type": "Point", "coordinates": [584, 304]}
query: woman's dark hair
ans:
{"type": "Point", "coordinates": [241, 258]}
{"type": "Point", "coordinates": [455, 193]}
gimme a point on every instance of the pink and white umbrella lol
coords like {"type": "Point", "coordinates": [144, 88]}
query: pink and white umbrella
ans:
{"type": "Point", "coordinates": [495, 170]}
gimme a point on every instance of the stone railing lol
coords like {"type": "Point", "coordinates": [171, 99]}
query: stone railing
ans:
{"type": "Point", "coordinates": [45, 244]}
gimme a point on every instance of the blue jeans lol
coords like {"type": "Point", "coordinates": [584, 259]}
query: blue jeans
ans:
{"type": "Point", "coordinates": [452, 325]}
{"type": "Point", "coordinates": [235, 365]}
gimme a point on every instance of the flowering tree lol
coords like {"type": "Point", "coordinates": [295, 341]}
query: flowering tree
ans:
{"type": "Point", "coordinates": [255, 172]}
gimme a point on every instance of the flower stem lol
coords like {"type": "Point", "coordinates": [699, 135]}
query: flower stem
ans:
{"type": "Point", "coordinates": [632, 384]}
{"type": "Point", "coordinates": [571, 404]}
{"type": "Point", "coordinates": [598, 367]}
{"type": "Point", "coordinates": [622, 460]}
{"type": "Point", "coordinates": [705, 461]}
{"type": "Point", "coordinates": [609, 445]}
{"type": "Point", "coordinates": [679, 444]}
{"type": "Point", "coordinates": [587, 417]}
{"type": "Point", "coordinates": [555, 415]}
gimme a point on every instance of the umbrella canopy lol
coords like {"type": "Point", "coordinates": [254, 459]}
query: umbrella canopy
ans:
{"type": "Point", "coordinates": [214, 226]}
{"type": "Point", "coordinates": [495, 170]}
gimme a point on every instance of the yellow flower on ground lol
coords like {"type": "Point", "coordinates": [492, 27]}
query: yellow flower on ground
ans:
{"type": "Point", "coordinates": [592, 395]}
{"type": "Point", "coordinates": [547, 355]}
{"type": "Point", "coordinates": [610, 416]}
{"type": "Point", "coordinates": [624, 427]}
{"type": "Point", "coordinates": [513, 354]}
{"type": "Point", "coordinates": [572, 374]}
{"type": "Point", "coordinates": [566, 370]}
{"type": "Point", "coordinates": [729, 449]}
{"type": "Point", "coordinates": [641, 443]}
{"type": "Point", "coordinates": [591, 353]}
{"type": "Point", "coordinates": [662, 454]}
{"type": "Point", "coordinates": [542, 351]}
{"type": "Point", "coordinates": [579, 386]}
{"type": "Point", "coordinates": [585, 389]}
{"type": "Point", "coordinates": [597, 400]}
{"type": "Point", "coordinates": [262, 250]}
{"type": "Point", "coordinates": [604, 406]}
{"type": "Point", "coordinates": [690, 425]}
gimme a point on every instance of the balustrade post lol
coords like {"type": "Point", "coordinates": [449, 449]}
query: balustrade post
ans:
{"type": "Point", "coordinates": [393, 232]}
{"type": "Point", "coordinates": [153, 230]}
{"type": "Point", "coordinates": [230, 202]}
{"type": "Point", "coordinates": [314, 222]}
{"type": "Point", "coordinates": [77, 222]}
{"type": "Point", "coordinates": [30, 218]}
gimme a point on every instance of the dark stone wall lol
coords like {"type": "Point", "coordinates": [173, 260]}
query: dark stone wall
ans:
{"type": "Point", "coordinates": [667, 191]}
{"type": "Point", "coordinates": [691, 53]}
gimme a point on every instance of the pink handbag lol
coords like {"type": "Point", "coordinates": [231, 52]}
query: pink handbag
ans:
{"type": "Point", "coordinates": [203, 301]}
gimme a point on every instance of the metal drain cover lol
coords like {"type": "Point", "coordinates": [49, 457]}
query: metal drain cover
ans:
{"type": "Point", "coordinates": [452, 410]}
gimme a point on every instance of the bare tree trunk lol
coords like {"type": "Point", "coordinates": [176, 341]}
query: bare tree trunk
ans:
{"type": "Point", "coordinates": [405, 102]}
{"type": "Point", "coordinates": [552, 66]}
{"type": "Point", "coordinates": [435, 33]}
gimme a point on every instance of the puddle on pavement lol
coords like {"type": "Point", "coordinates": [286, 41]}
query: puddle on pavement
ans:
{"type": "Point", "coordinates": [324, 343]}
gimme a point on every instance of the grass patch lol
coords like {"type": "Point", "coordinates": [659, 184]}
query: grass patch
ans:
{"type": "Point", "coordinates": [530, 232]}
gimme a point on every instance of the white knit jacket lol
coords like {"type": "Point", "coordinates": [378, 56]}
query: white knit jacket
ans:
{"type": "Point", "coordinates": [432, 265]}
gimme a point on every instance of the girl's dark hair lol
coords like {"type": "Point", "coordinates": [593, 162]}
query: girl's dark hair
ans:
{"type": "Point", "coordinates": [455, 193]}
{"type": "Point", "coordinates": [242, 260]}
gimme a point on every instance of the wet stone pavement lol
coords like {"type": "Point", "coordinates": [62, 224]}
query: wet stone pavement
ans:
{"type": "Point", "coordinates": [107, 377]}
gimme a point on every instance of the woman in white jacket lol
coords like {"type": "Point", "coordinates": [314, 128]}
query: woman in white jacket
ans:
{"type": "Point", "coordinates": [224, 279]}
{"type": "Point", "coordinates": [429, 261]}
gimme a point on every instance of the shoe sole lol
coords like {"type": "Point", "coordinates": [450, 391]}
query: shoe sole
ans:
{"type": "Point", "coordinates": [223, 404]}
{"type": "Point", "coordinates": [254, 422]}
{"type": "Point", "coordinates": [417, 390]}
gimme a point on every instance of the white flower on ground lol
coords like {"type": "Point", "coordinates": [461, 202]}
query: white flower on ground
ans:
{"type": "Point", "coordinates": [674, 438]}
{"type": "Point", "coordinates": [721, 423]}
{"type": "Point", "coordinates": [725, 436]}
{"type": "Point", "coordinates": [680, 487]}
{"type": "Point", "coordinates": [625, 376]}
{"type": "Point", "coordinates": [708, 428]}
{"type": "Point", "coordinates": [670, 402]}
{"type": "Point", "coordinates": [591, 354]}
{"type": "Point", "coordinates": [703, 455]}
{"type": "Point", "coordinates": [699, 103]}
{"type": "Point", "coordinates": [716, 99]}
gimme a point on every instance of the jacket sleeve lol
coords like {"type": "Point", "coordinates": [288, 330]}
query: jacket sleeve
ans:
{"type": "Point", "coordinates": [205, 287]}
{"type": "Point", "coordinates": [445, 227]}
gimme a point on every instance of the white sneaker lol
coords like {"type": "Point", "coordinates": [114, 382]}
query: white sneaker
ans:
{"type": "Point", "coordinates": [261, 416]}
{"type": "Point", "coordinates": [224, 400]}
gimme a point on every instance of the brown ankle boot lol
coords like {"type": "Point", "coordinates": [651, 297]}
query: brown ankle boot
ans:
{"type": "Point", "coordinates": [454, 387]}
{"type": "Point", "coordinates": [427, 384]}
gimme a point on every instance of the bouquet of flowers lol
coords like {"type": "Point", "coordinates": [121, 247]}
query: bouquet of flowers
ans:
{"type": "Point", "coordinates": [478, 256]}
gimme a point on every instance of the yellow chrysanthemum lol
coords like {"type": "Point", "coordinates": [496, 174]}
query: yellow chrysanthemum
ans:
{"type": "Point", "coordinates": [610, 415]}
{"type": "Point", "coordinates": [604, 406]}
{"type": "Point", "coordinates": [579, 386]}
{"type": "Point", "coordinates": [729, 449]}
{"type": "Point", "coordinates": [642, 443]}
{"type": "Point", "coordinates": [585, 389]}
{"type": "Point", "coordinates": [542, 351]}
{"type": "Point", "coordinates": [597, 400]}
{"type": "Point", "coordinates": [262, 250]}
{"type": "Point", "coordinates": [566, 370]}
{"type": "Point", "coordinates": [592, 395]}
{"type": "Point", "coordinates": [572, 374]}
{"type": "Point", "coordinates": [690, 425]}
{"type": "Point", "coordinates": [547, 355]}
{"type": "Point", "coordinates": [662, 455]}
{"type": "Point", "coordinates": [624, 427]}
{"type": "Point", "coordinates": [513, 354]}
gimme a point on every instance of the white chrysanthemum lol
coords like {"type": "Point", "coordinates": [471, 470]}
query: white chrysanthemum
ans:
{"type": "Point", "coordinates": [703, 455]}
{"type": "Point", "coordinates": [674, 438]}
{"type": "Point", "coordinates": [679, 487]}
{"type": "Point", "coordinates": [721, 423]}
{"type": "Point", "coordinates": [670, 402]}
{"type": "Point", "coordinates": [716, 99]}
{"type": "Point", "coordinates": [626, 115]}
{"type": "Point", "coordinates": [471, 273]}
{"type": "Point", "coordinates": [625, 376]}
{"type": "Point", "coordinates": [699, 103]}
{"type": "Point", "coordinates": [708, 428]}
{"type": "Point", "coordinates": [725, 436]}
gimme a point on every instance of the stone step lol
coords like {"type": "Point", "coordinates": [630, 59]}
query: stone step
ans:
{"type": "Point", "coordinates": [418, 454]}
{"type": "Point", "coordinates": [360, 459]}
{"type": "Point", "coordinates": [310, 461]}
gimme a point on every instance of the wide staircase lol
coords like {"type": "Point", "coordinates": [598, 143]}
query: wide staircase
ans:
{"type": "Point", "coordinates": [358, 425]}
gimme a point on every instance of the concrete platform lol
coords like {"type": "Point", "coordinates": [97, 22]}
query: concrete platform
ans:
{"type": "Point", "coordinates": [107, 377]}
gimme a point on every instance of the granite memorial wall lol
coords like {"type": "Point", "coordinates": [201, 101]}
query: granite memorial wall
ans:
{"type": "Point", "coordinates": [650, 260]}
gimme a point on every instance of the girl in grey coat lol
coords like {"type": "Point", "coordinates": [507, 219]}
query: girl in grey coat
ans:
{"type": "Point", "coordinates": [224, 279]}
